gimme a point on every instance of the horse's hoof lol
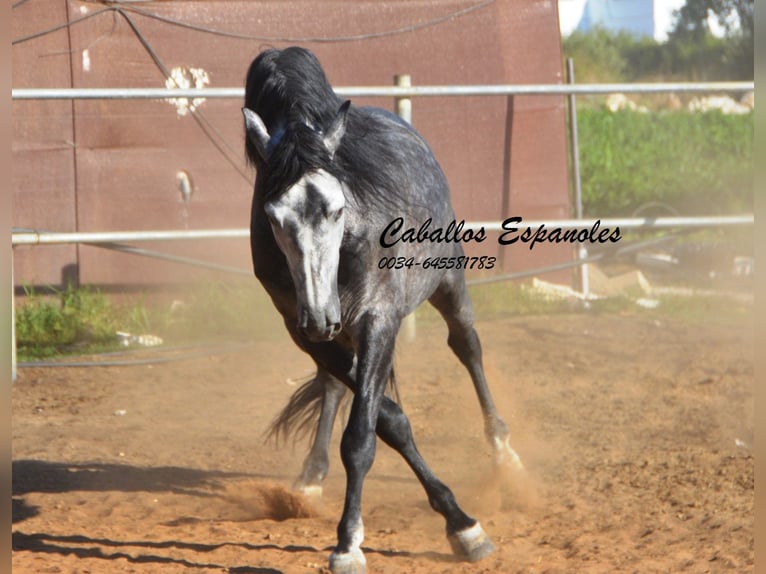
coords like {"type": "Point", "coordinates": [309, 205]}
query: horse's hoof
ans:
{"type": "Point", "coordinates": [352, 562]}
{"type": "Point", "coordinates": [311, 491]}
{"type": "Point", "coordinates": [471, 543]}
{"type": "Point", "coordinates": [505, 456]}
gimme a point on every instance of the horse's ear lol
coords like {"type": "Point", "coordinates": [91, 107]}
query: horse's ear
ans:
{"type": "Point", "coordinates": [337, 128]}
{"type": "Point", "coordinates": [256, 132]}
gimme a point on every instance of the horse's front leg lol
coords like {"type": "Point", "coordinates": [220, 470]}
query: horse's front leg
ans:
{"type": "Point", "coordinates": [317, 461]}
{"type": "Point", "coordinates": [375, 360]}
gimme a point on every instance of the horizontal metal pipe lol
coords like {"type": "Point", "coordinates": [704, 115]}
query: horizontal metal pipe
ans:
{"type": "Point", "coordinates": [45, 237]}
{"type": "Point", "coordinates": [545, 89]}
{"type": "Point", "coordinates": [385, 91]}
{"type": "Point", "coordinates": [49, 238]}
{"type": "Point", "coordinates": [124, 93]}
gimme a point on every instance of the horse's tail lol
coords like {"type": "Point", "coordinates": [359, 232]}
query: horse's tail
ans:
{"type": "Point", "coordinates": [300, 415]}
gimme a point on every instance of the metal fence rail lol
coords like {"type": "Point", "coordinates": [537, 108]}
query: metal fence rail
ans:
{"type": "Point", "coordinates": [388, 91]}
{"type": "Point", "coordinates": [52, 238]}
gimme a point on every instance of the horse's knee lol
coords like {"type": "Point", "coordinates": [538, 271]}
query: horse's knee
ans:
{"type": "Point", "coordinates": [357, 449]}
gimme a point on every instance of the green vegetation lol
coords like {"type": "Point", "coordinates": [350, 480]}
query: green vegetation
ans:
{"type": "Point", "coordinates": [85, 320]}
{"type": "Point", "coordinates": [73, 320]}
{"type": "Point", "coordinates": [694, 163]}
{"type": "Point", "coordinates": [604, 56]}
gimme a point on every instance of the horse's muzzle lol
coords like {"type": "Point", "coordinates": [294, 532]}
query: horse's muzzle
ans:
{"type": "Point", "coordinates": [319, 327]}
{"type": "Point", "coordinates": [316, 335]}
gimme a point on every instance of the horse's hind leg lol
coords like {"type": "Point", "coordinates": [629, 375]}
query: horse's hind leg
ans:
{"type": "Point", "coordinates": [317, 461]}
{"type": "Point", "coordinates": [452, 301]}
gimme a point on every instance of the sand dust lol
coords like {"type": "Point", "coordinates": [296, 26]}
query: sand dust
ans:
{"type": "Point", "coordinates": [257, 500]}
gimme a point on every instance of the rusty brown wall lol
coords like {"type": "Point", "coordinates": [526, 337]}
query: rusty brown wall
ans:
{"type": "Point", "coordinates": [113, 165]}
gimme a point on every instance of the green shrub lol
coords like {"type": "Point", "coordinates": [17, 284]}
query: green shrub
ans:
{"type": "Point", "coordinates": [605, 56]}
{"type": "Point", "coordinates": [597, 55]}
{"type": "Point", "coordinates": [48, 325]}
{"type": "Point", "coordinates": [695, 163]}
{"type": "Point", "coordinates": [83, 320]}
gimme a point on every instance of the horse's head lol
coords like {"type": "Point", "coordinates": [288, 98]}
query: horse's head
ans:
{"type": "Point", "coordinates": [307, 221]}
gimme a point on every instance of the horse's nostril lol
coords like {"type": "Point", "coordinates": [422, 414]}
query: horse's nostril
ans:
{"type": "Point", "coordinates": [336, 329]}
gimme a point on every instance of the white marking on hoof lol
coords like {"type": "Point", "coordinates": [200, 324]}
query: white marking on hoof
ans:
{"type": "Point", "coordinates": [505, 455]}
{"type": "Point", "coordinates": [311, 491]}
{"type": "Point", "coordinates": [352, 562]}
{"type": "Point", "coordinates": [472, 543]}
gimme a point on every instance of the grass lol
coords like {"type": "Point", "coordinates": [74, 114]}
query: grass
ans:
{"type": "Point", "coordinates": [84, 320]}
{"type": "Point", "coordinates": [692, 163]}
{"type": "Point", "coordinates": [71, 320]}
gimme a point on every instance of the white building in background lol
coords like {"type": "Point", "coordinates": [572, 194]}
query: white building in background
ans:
{"type": "Point", "coordinates": [652, 18]}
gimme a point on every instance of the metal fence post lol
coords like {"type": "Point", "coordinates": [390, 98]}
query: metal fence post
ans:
{"type": "Point", "coordinates": [13, 323]}
{"type": "Point", "coordinates": [582, 252]}
{"type": "Point", "coordinates": [404, 111]}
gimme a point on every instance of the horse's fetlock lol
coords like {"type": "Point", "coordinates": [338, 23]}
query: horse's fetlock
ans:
{"type": "Point", "coordinates": [441, 499]}
{"type": "Point", "coordinates": [495, 429]}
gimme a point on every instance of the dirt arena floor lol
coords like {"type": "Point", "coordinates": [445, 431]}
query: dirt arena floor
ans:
{"type": "Point", "coordinates": [636, 431]}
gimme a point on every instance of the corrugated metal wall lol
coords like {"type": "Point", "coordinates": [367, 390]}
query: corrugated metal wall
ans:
{"type": "Point", "coordinates": [114, 165]}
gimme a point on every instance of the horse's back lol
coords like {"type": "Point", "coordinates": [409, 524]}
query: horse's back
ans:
{"type": "Point", "coordinates": [401, 154]}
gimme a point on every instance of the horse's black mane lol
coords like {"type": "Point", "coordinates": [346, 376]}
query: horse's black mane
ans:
{"type": "Point", "coordinates": [289, 90]}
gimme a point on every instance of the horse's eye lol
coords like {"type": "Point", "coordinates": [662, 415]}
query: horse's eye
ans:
{"type": "Point", "coordinates": [337, 214]}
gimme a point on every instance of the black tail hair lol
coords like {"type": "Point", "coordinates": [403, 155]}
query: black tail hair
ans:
{"type": "Point", "coordinates": [299, 417]}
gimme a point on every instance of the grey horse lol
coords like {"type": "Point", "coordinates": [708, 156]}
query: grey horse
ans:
{"type": "Point", "coordinates": [330, 178]}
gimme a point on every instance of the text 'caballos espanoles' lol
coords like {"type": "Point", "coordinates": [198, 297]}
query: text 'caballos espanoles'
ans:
{"type": "Point", "coordinates": [513, 232]}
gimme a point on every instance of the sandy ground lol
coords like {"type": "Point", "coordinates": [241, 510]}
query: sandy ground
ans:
{"type": "Point", "coordinates": [635, 431]}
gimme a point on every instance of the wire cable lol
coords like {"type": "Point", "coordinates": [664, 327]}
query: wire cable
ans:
{"type": "Point", "coordinates": [125, 5]}
{"type": "Point", "coordinates": [208, 129]}
{"type": "Point", "coordinates": [312, 39]}
{"type": "Point", "coordinates": [53, 29]}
